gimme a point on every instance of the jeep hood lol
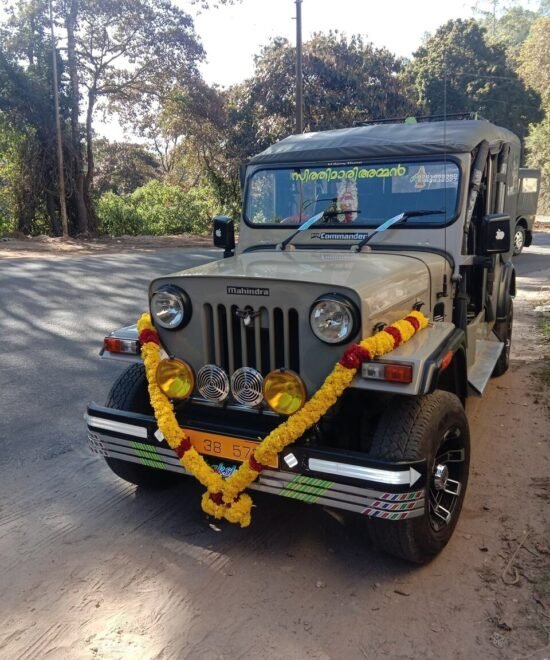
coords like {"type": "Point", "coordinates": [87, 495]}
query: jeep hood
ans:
{"type": "Point", "coordinates": [381, 278]}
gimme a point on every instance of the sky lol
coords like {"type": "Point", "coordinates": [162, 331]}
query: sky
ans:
{"type": "Point", "coordinates": [233, 35]}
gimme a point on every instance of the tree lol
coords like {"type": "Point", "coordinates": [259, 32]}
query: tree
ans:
{"type": "Point", "coordinates": [344, 80]}
{"type": "Point", "coordinates": [121, 167]}
{"type": "Point", "coordinates": [534, 68]}
{"type": "Point", "coordinates": [121, 49]}
{"type": "Point", "coordinates": [27, 110]}
{"type": "Point", "coordinates": [534, 60]}
{"type": "Point", "coordinates": [456, 70]}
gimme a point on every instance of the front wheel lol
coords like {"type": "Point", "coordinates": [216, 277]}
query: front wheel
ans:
{"type": "Point", "coordinates": [129, 393]}
{"type": "Point", "coordinates": [432, 427]}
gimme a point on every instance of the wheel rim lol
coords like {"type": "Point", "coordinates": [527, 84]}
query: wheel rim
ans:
{"type": "Point", "coordinates": [447, 479]}
{"type": "Point", "coordinates": [518, 239]}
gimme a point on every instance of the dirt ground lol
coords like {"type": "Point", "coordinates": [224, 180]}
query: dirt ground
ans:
{"type": "Point", "coordinates": [92, 568]}
{"type": "Point", "coordinates": [47, 247]}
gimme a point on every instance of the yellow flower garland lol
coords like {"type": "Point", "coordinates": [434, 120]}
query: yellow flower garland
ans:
{"type": "Point", "coordinates": [224, 498]}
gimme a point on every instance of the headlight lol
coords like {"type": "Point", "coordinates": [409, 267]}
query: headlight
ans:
{"type": "Point", "coordinates": [175, 378]}
{"type": "Point", "coordinates": [170, 307]}
{"type": "Point", "coordinates": [334, 318]}
{"type": "Point", "coordinates": [284, 391]}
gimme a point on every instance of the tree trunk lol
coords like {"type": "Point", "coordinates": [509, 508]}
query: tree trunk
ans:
{"type": "Point", "coordinates": [82, 223]}
{"type": "Point", "coordinates": [88, 181]}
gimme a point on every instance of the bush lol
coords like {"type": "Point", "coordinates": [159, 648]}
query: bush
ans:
{"type": "Point", "coordinates": [156, 209]}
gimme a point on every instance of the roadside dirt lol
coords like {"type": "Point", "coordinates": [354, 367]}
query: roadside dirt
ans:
{"type": "Point", "coordinates": [47, 247]}
{"type": "Point", "coordinates": [92, 568]}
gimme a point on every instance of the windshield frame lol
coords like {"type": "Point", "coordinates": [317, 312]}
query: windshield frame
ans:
{"type": "Point", "coordinates": [380, 162]}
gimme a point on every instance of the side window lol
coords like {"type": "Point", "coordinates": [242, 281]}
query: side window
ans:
{"type": "Point", "coordinates": [529, 185]}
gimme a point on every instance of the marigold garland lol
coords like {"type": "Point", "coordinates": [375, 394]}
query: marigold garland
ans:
{"type": "Point", "coordinates": [224, 498]}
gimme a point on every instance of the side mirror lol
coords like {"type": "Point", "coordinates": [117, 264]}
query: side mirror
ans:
{"type": "Point", "coordinates": [224, 234]}
{"type": "Point", "coordinates": [496, 233]}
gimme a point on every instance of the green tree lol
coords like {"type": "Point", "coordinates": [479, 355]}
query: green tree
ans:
{"type": "Point", "coordinates": [344, 79]}
{"type": "Point", "coordinates": [27, 110]}
{"type": "Point", "coordinates": [121, 167]}
{"type": "Point", "coordinates": [456, 70]}
{"type": "Point", "coordinates": [534, 68]}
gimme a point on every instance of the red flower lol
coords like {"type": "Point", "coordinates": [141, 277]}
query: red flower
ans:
{"type": "Point", "coordinates": [149, 335]}
{"type": "Point", "coordinates": [395, 333]}
{"type": "Point", "coordinates": [183, 446]}
{"type": "Point", "coordinates": [258, 467]}
{"type": "Point", "coordinates": [354, 356]}
{"type": "Point", "coordinates": [414, 322]}
{"type": "Point", "coordinates": [217, 498]}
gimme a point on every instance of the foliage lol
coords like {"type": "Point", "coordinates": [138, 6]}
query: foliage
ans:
{"type": "Point", "coordinates": [456, 70]}
{"type": "Point", "coordinates": [344, 79]}
{"type": "Point", "coordinates": [534, 60]}
{"type": "Point", "coordinates": [156, 209]}
{"type": "Point", "coordinates": [508, 25]}
{"type": "Point", "coordinates": [534, 67]}
{"type": "Point", "coordinates": [538, 155]}
{"type": "Point", "coordinates": [121, 167]}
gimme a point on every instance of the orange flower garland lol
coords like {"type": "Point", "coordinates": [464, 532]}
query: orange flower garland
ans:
{"type": "Point", "coordinates": [224, 498]}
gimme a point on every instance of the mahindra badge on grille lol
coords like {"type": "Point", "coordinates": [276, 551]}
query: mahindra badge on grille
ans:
{"type": "Point", "coordinates": [246, 386]}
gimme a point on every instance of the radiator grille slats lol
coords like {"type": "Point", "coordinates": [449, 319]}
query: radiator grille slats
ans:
{"type": "Point", "coordinates": [270, 340]}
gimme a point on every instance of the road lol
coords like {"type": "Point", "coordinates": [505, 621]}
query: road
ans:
{"type": "Point", "coordinates": [90, 567]}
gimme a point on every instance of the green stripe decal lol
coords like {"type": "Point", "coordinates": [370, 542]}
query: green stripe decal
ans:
{"type": "Point", "coordinates": [148, 455]}
{"type": "Point", "coordinates": [305, 489]}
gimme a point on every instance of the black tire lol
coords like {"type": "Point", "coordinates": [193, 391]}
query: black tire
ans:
{"type": "Point", "coordinates": [519, 239]}
{"type": "Point", "coordinates": [432, 427]}
{"type": "Point", "coordinates": [503, 330]}
{"type": "Point", "coordinates": [129, 393]}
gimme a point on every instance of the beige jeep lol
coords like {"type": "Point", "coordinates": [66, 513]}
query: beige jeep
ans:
{"type": "Point", "coordinates": [342, 233]}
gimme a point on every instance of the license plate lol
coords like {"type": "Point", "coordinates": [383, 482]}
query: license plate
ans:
{"type": "Point", "coordinates": [223, 446]}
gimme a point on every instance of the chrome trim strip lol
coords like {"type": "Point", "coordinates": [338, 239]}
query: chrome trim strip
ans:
{"type": "Point", "coordinates": [117, 427]}
{"type": "Point", "coordinates": [408, 477]}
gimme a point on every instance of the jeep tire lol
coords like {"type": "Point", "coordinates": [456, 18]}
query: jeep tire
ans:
{"type": "Point", "coordinates": [129, 393]}
{"type": "Point", "coordinates": [519, 239]}
{"type": "Point", "coordinates": [432, 427]}
{"type": "Point", "coordinates": [503, 330]}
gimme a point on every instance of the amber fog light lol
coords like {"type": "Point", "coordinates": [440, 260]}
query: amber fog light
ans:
{"type": "Point", "coordinates": [175, 378]}
{"type": "Point", "coordinates": [284, 391]}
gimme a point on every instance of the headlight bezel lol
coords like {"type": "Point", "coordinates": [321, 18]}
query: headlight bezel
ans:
{"type": "Point", "coordinates": [349, 306]}
{"type": "Point", "coordinates": [182, 297]}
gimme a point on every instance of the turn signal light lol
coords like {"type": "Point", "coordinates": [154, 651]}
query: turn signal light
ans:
{"type": "Point", "coordinates": [126, 346]}
{"type": "Point", "coordinates": [284, 391]}
{"type": "Point", "coordinates": [389, 372]}
{"type": "Point", "coordinates": [175, 378]}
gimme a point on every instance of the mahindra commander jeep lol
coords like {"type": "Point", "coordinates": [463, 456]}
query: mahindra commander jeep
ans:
{"type": "Point", "coordinates": [342, 233]}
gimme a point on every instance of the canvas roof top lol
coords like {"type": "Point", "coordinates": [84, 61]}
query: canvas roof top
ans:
{"type": "Point", "coordinates": [360, 142]}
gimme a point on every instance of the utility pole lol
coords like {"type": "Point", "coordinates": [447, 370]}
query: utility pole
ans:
{"type": "Point", "coordinates": [299, 81]}
{"type": "Point", "coordinates": [60, 165]}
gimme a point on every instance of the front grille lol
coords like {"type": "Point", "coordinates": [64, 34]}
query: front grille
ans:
{"type": "Point", "coordinates": [270, 340]}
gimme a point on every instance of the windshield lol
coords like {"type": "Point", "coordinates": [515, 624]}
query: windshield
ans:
{"type": "Point", "coordinates": [364, 195]}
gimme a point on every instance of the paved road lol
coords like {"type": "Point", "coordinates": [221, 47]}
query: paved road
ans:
{"type": "Point", "coordinates": [92, 568]}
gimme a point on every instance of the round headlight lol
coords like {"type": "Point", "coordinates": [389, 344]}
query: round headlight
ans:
{"type": "Point", "coordinates": [334, 319]}
{"type": "Point", "coordinates": [284, 391]}
{"type": "Point", "coordinates": [170, 308]}
{"type": "Point", "coordinates": [175, 378]}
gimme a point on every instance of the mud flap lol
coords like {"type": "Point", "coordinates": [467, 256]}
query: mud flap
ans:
{"type": "Point", "coordinates": [487, 354]}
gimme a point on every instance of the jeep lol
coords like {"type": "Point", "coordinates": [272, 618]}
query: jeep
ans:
{"type": "Point", "coordinates": [342, 233]}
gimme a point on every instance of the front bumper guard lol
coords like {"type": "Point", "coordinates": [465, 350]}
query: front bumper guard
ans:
{"type": "Point", "coordinates": [330, 477]}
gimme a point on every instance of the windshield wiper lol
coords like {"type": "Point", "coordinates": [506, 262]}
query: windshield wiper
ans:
{"type": "Point", "coordinates": [326, 213]}
{"type": "Point", "coordinates": [401, 217]}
